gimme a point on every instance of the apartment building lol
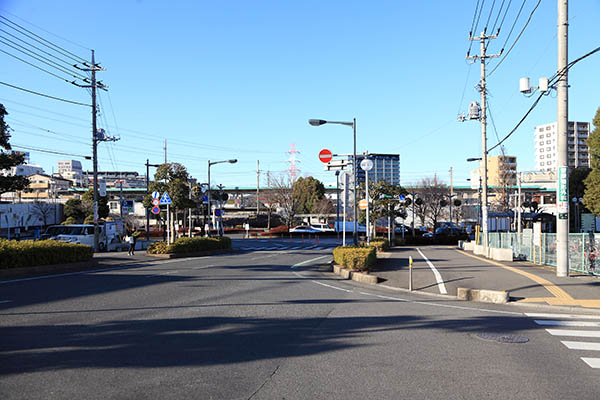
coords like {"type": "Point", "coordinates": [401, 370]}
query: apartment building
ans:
{"type": "Point", "coordinates": [502, 171]}
{"type": "Point", "coordinates": [546, 140]}
{"type": "Point", "coordinates": [386, 167]}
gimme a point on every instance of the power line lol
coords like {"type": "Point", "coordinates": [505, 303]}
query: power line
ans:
{"type": "Point", "coordinates": [35, 47]}
{"type": "Point", "coordinates": [49, 151]}
{"type": "Point", "coordinates": [489, 16]}
{"type": "Point", "coordinates": [43, 41]}
{"type": "Point", "coordinates": [44, 95]}
{"type": "Point", "coordinates": [516, 40]}
{"type": "Point", "coordinates": [36, 66]}
{"type": "Point", "coordinates": [48, 32]}
{"type": "Point", "coordinates": [40, 58]}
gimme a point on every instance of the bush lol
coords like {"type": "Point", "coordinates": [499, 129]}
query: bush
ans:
{"type": "Point", "coordinates": [380, 244]}
{"type": "Point", "coordinates": [190, 245]}
{"type": "Point", "coordinates": [27, 253]}
{"type": "Point", "coordinates": [277, 230]}
{"type": "Point", "coordinates": [355, 258]}
{"type": "Point", "coordinates": [70, 221]}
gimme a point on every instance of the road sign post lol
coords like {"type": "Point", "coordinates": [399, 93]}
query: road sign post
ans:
{"type": "Point", "coordinates": [165, 199]}
{"type": "Point", "coordinates": [366, 166]}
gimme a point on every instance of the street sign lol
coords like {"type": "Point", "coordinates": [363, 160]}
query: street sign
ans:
{"type": "Point", "coordinates": [102, 188]}
{"type": "Point", "coordinates": [325, 155]}
{"type": "Point", "coordinates": [366, 164]}
{"type": "Point", "coordinates": [336, 165]}
{"type": "Point", "coordinates": [363, 204]}
{"type": "Point", "coordinates": [155, 195]}
{"type": "Point", "coordinates": [155, 202]}
{"type": "Point", "coordinates": [402, 197]}
{"type": "Point", "coordinates": [165, 199]}
{"type": "Point", "coordinates": [155, 210]}
{"type": "Point", "coordinates": [128, 206]}
{"type": "Point", "coordinates": [205, 199]}
{"type": "Point", "coordinates": [563, 192]}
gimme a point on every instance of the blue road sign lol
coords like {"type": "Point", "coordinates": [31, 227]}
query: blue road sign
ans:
{"type": "Point", "coordinates": [402, 197]}
{"type": "Point", "coordinates": [155, 210]}
{"type": "Point", "coordinates": [155, 195]}
{"type": "Point", "coordinates": [165, 199]}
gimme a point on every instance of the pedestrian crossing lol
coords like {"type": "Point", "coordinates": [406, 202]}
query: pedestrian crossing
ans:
{"type": "Point", "coordinates": [286, 247]}
{"type": "Point", "coordinates": [588, 339]}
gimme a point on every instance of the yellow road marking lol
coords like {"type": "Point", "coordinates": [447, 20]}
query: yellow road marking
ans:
{"type": "Point", "coordinates": [560, 296]}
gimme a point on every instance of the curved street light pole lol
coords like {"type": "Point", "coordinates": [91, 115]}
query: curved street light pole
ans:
{"type": "Point", "coordinates": [319, 122]}
{"type": "Point", "coordinates": [232, 161]}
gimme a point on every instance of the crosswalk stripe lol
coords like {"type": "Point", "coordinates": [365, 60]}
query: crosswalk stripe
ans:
{"type": "Point", "coordinates": [567, 323]}
{"type": "Point", "coordinates": [592, 362]}
{"type": "Point", "coordinates": [571, 332]}
{"type": "Point", "coordinates": [595, 346]}
{"type": "Point", "coordinates": [566, 316]}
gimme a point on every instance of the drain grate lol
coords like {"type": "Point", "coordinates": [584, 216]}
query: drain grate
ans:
{"type": "Point", "coordinates": [502, 337]}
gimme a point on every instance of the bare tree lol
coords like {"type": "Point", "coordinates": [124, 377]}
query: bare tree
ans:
{"type": "Point", "coordinates": [433, 192]}
{"type": "Point", "coordinates": [43, 210]}
{"type": "Point", "coordinates": [280, 194]}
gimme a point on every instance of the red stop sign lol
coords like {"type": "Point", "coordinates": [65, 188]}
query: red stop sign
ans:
{"type": "Point", "coordinates": [325, 155]}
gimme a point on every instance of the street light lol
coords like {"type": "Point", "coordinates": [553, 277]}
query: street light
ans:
{"type": "Point", "coordinates": [232, 161]}
{"type": "Point", "coordinates": [319, 122]}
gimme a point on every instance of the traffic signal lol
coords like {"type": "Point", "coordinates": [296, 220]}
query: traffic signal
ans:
{"type": "Point", "coordinates": [419, 201]}
{"type": "Point", "coordinates": [457, 202]}
{"type": "Point", "coordinates": [407, 201]}
{"type": "Point", "coordinates": [443, 203]}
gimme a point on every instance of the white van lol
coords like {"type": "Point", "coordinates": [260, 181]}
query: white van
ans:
{"type": "Point", "coordinates": [83, 234]}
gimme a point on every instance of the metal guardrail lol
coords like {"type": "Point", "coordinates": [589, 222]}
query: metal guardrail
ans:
{"type": "Point", "coordinates": [584, 249]}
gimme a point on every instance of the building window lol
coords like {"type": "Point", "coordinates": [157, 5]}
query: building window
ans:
{"type": "Point", "coordinates": [542, 163]}
{"type": "Point", "coordinates": [547, 135]}
{"type": "Point", "coordinates": [548, 149]}
{"type": "Point", "coordinates": [548, 128]}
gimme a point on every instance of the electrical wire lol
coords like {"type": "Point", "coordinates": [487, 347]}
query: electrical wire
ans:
{"type": "Point", "coordinates": [516, 40]}
{"type": "Point", "coordinates": [48, 151]}
{"type": "Point", "coordinates": [36, 66]}
{"type": "Point", "coordinates": [42, 41]}
{"type": "Point", "coordinates": [37, 48]}
{"type": "Point", "coordinates": [489, 16]}
{"type": "Point", "coordinates": [44, 95]}
{"type": "Point", "coordinates": [40, 58]}
{"type": "Point", "coordinates": [498, 16]}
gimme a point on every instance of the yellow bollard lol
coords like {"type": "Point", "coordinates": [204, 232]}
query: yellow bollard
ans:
{"type": "Point", "coordinates": [410, 278]}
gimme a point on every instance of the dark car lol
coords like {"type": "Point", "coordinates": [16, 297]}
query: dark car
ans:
{"type": "Point", "coordinates": [451, 232]}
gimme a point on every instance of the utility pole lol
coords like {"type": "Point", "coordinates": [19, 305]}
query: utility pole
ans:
{"type": "Point", "coordinates": [257, 185]}
{"type": "Point", "coordinates": [451, 194]}
{"type": "Point", "coordinates": [165, 149]}
{"type": "Point", "coordinates": [482, 57]}
{"type": "Point", "coordinates": [562, 118]}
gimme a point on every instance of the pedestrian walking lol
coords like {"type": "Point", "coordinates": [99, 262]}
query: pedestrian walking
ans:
{"type": "Point", "coordinates": [131, 241]}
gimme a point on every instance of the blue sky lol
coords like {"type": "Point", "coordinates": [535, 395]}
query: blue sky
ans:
{"type": "Point", "coordinates": [240, 79]}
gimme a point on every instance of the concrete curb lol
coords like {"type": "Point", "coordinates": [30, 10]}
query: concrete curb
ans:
{"type": "Point", "coordinates": [354, 275]}
{"type": "Point", "coordinates": [483, 295]}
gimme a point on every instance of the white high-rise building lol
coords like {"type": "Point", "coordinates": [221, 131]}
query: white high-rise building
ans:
{"type": "Point", "coordinates": [545, 137]}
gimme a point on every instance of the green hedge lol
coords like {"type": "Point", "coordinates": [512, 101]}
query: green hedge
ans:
{"type": "Point", "coordinates": [355, 258]}
{"type": "Point", "coordinates": [190, 245]}
{"type": "Point", "coordinates": [27, 253]}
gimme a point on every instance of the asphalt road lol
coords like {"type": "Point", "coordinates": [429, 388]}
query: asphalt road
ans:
{"type": "Point", "coordinates": [268, 325]}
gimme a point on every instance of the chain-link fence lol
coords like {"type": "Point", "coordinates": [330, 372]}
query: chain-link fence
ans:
{"type": "Point", "coordinates": [584, 249]}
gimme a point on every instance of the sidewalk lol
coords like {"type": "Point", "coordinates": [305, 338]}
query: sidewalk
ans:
{"type": "Point", "coordinates": [525, 282]}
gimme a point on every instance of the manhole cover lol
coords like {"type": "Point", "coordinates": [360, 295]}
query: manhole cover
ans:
{"type": "Point", "coordinates": [502, 337]}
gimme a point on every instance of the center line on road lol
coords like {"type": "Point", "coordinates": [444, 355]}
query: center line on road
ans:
{"type": "Point", "coordinates": [438, 277]}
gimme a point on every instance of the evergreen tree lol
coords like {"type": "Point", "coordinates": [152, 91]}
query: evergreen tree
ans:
{"type": "Point", "coordinates": [591, 197]}
{"type": "Point", "coordinates": [9, 159]}
{"type": "Point", "coordinates": [308, 192]}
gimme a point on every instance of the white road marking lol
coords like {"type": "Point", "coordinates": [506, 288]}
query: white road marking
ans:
{"type": "Point", "coordinates": [566, 316]}
{"type": "Point", "coordinates": [332, 287]}
{"type": "Point", "coordinates": [440, 305]}
{"type": "Point", "coordinates": [309, 261]}
{"type": "Point", "coordinates": [5, 301]}
{"type": "Point", "coordinates": [567, 323]}
{"type": "Point", "coordinates": [572, 332]}
{"type": "Point", "coordinates": [438, 277]}
{"type": "Point", "coordinates": [592, 362]}
{"type": "Point", "coordinates": [594, 346]}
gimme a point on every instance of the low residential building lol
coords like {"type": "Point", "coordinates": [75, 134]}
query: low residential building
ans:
{"type": "Point", "coordinates": [502, 171]}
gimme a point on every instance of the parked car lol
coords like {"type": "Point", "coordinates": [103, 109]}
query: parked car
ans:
{"type": "Point", "coordinates": [447, 231]}
{"type": "Point", "coordinates": [304, 229]}
{"type": "Point", "coordinates": [53, 231]}
{"type": "Point", "coordinates": [322, 227]}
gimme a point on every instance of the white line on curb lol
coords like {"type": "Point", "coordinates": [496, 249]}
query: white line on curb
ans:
{"type": "Point", "coordinates": [438, 277]}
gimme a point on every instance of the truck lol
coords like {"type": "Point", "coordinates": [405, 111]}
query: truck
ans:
{"type": "Point", "coordinates": [109, 235]}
